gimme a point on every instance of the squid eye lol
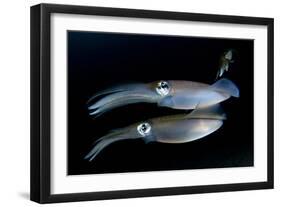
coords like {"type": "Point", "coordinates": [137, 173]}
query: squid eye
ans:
{"type": "Point", "coordinates": [163, 88]}
{"type": "Point", "coordinates": [144, 129]}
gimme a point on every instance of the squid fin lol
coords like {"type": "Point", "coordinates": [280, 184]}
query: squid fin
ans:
{"type": "Point", "coordinates": [210, 112]}
{"type": "Point", "coordinates": [226, 86]}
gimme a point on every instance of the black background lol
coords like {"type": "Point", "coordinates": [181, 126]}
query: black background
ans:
{"type": "Point", "coordinates": [98, 60]}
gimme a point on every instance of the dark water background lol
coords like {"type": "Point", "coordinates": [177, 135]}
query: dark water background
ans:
{"type": "Point", "coordinates": [99, 60]}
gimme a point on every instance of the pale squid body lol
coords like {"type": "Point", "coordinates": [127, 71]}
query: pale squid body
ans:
{"type": "Point", "coordinates": [176, 94]}
{"type": "Point", "coordinates": [180, 128]}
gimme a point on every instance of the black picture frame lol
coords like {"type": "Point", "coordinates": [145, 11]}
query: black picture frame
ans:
{"type": "Point", "coordinates": [40, 184]}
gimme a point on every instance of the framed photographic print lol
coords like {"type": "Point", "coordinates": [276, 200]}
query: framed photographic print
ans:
{"type": "Point", "coordinates": [132, 103]}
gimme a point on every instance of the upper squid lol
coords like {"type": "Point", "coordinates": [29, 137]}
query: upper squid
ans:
{"type": "Point", "coordinates": [176, 94]}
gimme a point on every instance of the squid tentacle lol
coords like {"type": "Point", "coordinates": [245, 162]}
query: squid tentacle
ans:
{"type": "Point", "coordinates": [103, 142]}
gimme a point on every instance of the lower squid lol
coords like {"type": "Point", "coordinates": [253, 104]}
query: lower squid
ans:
{"type": "Point", "coordinates": [172, 129]}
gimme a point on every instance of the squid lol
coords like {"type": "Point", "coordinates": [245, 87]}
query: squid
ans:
{"type": "Point", "coordinates": [171, 129]}
{"type": "Point", "coordinates": [175, 94]}
{"type": "Point", "coordinates": [225, 61]}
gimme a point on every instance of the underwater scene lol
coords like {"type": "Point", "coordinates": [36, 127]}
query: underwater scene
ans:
{"type": "Point", "coordinates": [142, 102]}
